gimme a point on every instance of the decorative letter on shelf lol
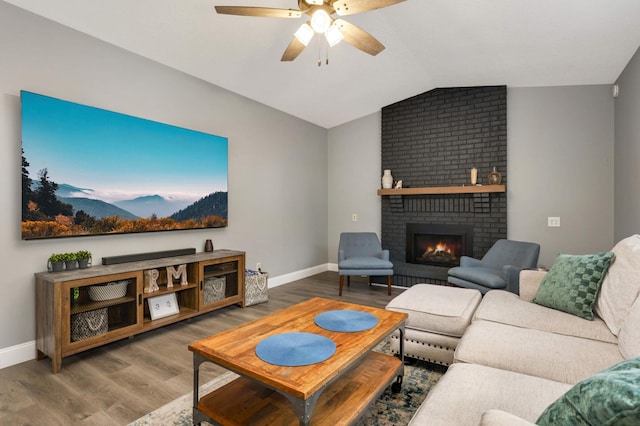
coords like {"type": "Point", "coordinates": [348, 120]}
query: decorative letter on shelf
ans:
{"type": "Point", "coordinates": [151, 280]}
{"type": "Point", "coordinates": [177, 273]}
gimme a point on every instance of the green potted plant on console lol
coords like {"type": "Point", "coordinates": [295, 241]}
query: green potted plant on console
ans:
{"type": "Point", "coordinates": [56, 262]}
{"type": "Point", "coordinates": [84, 259]}
{"type": "Point", "coordinates": [70, 261]}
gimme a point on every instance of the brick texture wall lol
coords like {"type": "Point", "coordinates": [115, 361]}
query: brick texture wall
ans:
{"type": "Point", "coordinates": [434, 139]}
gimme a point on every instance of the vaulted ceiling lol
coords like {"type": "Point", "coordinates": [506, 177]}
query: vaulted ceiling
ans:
{"type": "Point", "coordinates": [429, 44]}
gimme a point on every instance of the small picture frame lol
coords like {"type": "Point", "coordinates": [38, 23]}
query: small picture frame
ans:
{"type": "Point", "coordinates": [163, 306]}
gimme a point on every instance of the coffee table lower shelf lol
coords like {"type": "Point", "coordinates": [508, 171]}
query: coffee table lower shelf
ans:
{"type": "Point", "coordinates": [247, 402]}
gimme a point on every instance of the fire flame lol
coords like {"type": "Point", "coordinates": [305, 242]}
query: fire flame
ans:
{"type": "Point", "coordinates": [439, 248]}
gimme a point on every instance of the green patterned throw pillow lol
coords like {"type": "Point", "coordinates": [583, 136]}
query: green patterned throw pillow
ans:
{"type": "Point", "coordinates": [572, 283]}
{"type": "Point", "coordinates": [611, 397]}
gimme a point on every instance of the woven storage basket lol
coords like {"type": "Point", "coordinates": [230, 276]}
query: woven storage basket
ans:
{"type": "Point", "coordinates": [109, 291]}
{"type": "Point", "coordinates": [89, 324]}
{"type": "Point", "coordinates": [256, 289]}
{"type": "Point", "coordinates": [214, 289]}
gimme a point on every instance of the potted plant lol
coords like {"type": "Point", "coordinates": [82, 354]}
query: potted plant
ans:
{"type": "Point", "coordinates": [70, 261]}
{"type": "Point", "coordinates": [84, 259]}
{"type": "Point", "coordinates": [56, 262]}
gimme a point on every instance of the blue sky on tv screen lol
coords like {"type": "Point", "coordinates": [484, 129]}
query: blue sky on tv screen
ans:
{"type": "Point", "coordinates": [117, 156]}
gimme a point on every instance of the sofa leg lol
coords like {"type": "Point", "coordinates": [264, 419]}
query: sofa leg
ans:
{"type": "Point", "coordinates": [341, 283]}
{"type": "Point", "coordinates": [389, 285]}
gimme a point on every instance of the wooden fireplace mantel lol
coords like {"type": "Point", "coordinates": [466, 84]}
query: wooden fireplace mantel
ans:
{"type": "Point", "coordinates": [468, 189]}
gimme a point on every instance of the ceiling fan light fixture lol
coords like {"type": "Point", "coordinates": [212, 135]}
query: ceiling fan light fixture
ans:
{"type": "Point", "coordinates": [304, 34]}
{"type": "Point", "coordinates": [316, 2]}
{"type": "Point", "coordinates": [320, 21]}
{"type": "Point", "coordinates": [333, 35]}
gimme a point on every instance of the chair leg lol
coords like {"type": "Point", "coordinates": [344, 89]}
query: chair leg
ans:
{"type": "Point", "coordinates": [389, 285]}
{"type": "Point", "coordinates": [341, 283]}
{"type": "Point", "coordinates": [348, 280]}
{"type": "Point", "coordinates": [369, 280]}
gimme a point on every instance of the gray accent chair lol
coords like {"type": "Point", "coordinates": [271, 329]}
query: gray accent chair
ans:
{"type": "Point", "coordinates": [360, 253]}
{"type": "Point", "coordinates": [499, 268]}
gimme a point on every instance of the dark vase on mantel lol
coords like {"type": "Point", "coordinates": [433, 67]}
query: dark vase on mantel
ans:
{"type": "Point", "coordinates": [494, 178]}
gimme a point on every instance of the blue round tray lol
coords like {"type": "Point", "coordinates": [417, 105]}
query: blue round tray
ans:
{"type": "Point", "coordinates": [295, 349]}
{"type": "Point", "coordinates": [346, 320]}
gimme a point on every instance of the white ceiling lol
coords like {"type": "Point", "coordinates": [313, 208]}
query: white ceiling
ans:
{"type": "Point", "coordinates": [429, 43]}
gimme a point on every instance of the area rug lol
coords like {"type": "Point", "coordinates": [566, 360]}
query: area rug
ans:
{"type": "Point", "coordinates": [390, 409]}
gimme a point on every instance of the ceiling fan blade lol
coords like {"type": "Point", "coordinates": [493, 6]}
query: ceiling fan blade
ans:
{"type": "Point", "coordinates": [259, 11]}
{"type": "Point", "coordinates": [359, 38]}
{"type": "Point", "coordinates": [293, 50]}
{"type": "Point", "coordinates": [351, 7]}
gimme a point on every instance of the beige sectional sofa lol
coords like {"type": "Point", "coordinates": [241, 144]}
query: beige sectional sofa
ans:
{"type": "Point", "coordinates": [516, 358]}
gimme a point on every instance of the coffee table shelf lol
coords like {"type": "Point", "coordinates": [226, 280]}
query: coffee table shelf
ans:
{"type": "Point", "coordinates": [245, 401]}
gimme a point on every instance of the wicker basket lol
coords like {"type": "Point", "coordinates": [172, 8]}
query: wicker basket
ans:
{"type": "Point", "coordinates": [256, 289]}
{"type": "Point", "coordinates": [214, 289]}
{"type": "Point", "coordinates": [109, 291]}
{"type": "Point", "coordinates": [89, 324]}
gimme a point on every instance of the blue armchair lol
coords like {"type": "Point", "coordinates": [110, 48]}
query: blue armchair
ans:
{"type": "Point", "coordinates": [360, 253]}
{"type": "Point", "coordinates": [499, 268]}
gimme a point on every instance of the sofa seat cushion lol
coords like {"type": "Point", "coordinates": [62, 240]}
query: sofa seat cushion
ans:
{"type": "Point", "coordinates": [611, 397]}
{"type": "Point", "coordinates": [487, 277]}
{"type": "Point", "coordinates": [365, 262]}
{"type": "Point", "coordinates": [507, 308]}
{"type": "Point", "coordinates": [466, 391]}
{"type": "Point", "coordinates": [437, 309]}
{"type": "Point", "coordinates": [566, 359]}
{"type": "Point", "coordinates": [502, 418]}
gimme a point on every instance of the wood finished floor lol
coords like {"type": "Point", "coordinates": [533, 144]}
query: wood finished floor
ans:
{"type": "Point", "coordinates": [122, 381]}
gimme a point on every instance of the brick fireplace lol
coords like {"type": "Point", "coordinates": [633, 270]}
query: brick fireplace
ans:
{"type": "Point", "coordinates": [433, 140]}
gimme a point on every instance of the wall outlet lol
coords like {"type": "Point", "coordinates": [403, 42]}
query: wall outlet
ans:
{"type": "Point", "coordinates": [354, 217]}
{"type": "Point", "coordinates": [553, 222]}
{"type": "Point", "coordinates": [258, 266]}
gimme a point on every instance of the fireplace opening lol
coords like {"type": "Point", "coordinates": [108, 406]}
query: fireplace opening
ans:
{"type": "Point", "coordinates": [438, 244]}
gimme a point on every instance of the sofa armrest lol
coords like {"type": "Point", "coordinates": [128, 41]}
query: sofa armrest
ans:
{"type": "Point", "coordinates": [502, 418]}
{"type": "Point", "coordinates": [530, 280]}
{"type": "Point", "coordinates": [384, 255]}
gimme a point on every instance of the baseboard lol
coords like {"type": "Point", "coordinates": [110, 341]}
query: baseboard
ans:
{"type": "Point", "coordinates": [298, 275]}
{"type": "Point", "coordinates": [17, 354]}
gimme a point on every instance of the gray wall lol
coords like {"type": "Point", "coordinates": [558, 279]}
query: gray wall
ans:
{"type": "Point", "coordinates": [277, 163]}
{"type": "Point", "coordinates": [627, 159]}
{"type": "Point", "coordinates": [560, 145]}
{"type": "Point", "coordinates": [354, 175]}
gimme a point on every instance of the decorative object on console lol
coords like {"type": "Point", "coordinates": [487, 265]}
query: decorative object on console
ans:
{"type": "Point", "coordinates": [179, 273]}
{"type": "Point", "coordinates": [70, 261]}
{"type": "Point", "coordinates": [494, 178]}
{"type": "Point", "coordinates": [151, 280]}
{"type": "Point", "coordinates": [89, 324]}
{"type": "Point", "coordinates": [208, 246]}
{"type": "Point", "coordinates": [387, 179]}
{"type": "Point", "coordinates": [110, 291]}
{"type": "Point", "coordinates": [82, 147]}
{"type": "Point", "coordinates": [214, 289]}
{"type": "Point", "coordinates": [163, 306]}
{"type": "Point", "coordinates": [398, 184]}
{"type": "Point", "coordinates": [474, 176]}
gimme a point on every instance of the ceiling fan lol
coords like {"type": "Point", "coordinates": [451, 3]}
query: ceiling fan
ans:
{"type": "Point", "coordinates": [321, 21]}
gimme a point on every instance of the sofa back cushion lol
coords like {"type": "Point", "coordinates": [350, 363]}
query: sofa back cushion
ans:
{"type": "Point", "coordinates": [621, 286]}
{"type": "Point", "coordinates": [629, 337]}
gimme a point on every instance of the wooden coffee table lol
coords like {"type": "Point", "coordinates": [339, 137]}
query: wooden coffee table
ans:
{"type": "Point", "coordinates": [335, 391]}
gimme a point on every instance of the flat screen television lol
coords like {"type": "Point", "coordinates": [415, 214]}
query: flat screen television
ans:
{"type": "Point", "coordinates": [89, 171]}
